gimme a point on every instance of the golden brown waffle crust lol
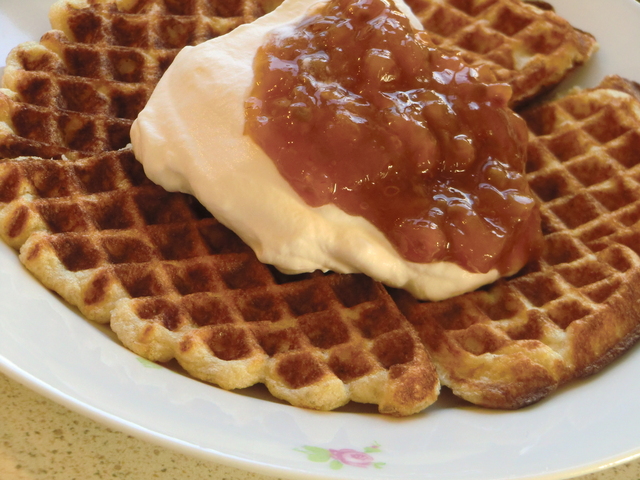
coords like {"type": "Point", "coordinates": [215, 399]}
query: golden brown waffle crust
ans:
{"type": "Point", "coordinates": [175, 284]}
{"type": "Point", "coordinates": [575, 309]}
{"type": "Point", "coordinates": [91, 227]}
{"type": "Point", "coordinates": [531, 48]}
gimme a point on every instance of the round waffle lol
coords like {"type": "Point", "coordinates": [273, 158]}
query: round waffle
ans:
{"type": "Point", "coordinates": [174, 283]}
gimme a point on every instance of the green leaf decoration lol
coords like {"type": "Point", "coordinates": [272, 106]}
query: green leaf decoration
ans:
{"type": "Point", "coordinates": [317, 454]}
{"type": "Point", "coordinates": [148, 363]}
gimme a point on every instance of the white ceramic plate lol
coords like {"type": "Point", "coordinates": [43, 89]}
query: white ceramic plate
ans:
{"type": "Point", "coordinates": [589, 425]}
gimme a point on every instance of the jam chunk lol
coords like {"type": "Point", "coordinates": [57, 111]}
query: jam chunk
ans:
{"type": "Point", "coordinates": [357, 109]}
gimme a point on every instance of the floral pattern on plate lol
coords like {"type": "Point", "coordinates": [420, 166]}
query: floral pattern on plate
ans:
{"type": "Point", "coordinates": [338, 458]}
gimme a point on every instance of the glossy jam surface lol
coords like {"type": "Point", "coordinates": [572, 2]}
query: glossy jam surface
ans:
{"type": "Point", "coordinates": [357, 109]}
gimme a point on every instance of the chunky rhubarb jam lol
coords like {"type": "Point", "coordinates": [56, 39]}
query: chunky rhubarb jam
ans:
{"type": "Point", "coordinates": [357, 109]}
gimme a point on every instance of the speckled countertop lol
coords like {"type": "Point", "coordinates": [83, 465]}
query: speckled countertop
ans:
{"type": "Point", "coordinates": [41, 440]}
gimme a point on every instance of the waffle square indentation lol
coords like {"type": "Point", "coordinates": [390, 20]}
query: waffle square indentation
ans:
{"type": "Point", "coordinates": [376, 320]}
{"type": "Point", "coordinates": [38, 90]}
{"type": "Point", "coordinates": [542, 120]}
{"type": "Point", "coordinates": [86, 26]}
{"type": "Point", "coordinates": [160, 310]}
{"type": "Point", "coordinates": [122, 249]}
{"type": "Point", "coordinates": [349, 363]}
{"type": "Point", "coordinates": [222, 8]}
{"type": "Point", "coordinates": [606, 126]}
{"type": "Point", "coordinates": [394, 348]}
{"type": "Point", "coordinates": [472, 7]}
{"type": "Point", "coordinates": [176, 32]}
{"type": "Point", "coordinates": [117, 134]}
{"type": "Point", "coordinates": [299, 369]}
{"type": "Point", "coordinates": [499, 307]}
{"type": "Point", "coordinates": [281, 341]}
{"type": "Point", "coordinates": [177, 241]}
{"type": "Point", "coordinates": [510, 22]}
{"type": "Point", "coordinates": [39, 59]}
{"type": "Point", "coordinates": [159, 207]}
{"type": "Point", "coordinates": [229, 342]}
{"type": "Point", "coordinates": [140, 280]}
{"type": "Point", "coordinates": [76, 252]}
{"type": "Point", "coordinates": [220, 240]}
{"type": "Point", "coordinates": [84, 62]}
{"type": "Point", "coordinates": [561, 248]}
{"type": "Point", "coordinates": [130, 31]}
{"type": "Point", "coordinates": [306, 298]}
{"type": "Point", "coordinates": [480, 41]}
{"type": "Point", "coordinates": [180, 7]}
{"type": "Point", "coordinates": [352, 290]}
{"type": "Point", "coordinates": [262, 307]}
{"type": "Point", "coordinates": [617, 257]}
{"type": "Point", "coordinates": [626, 149]}
{"type": "Point", "coordinates": [97, 176]}
{"type": "Point", "coordinates": [568, 145]}
{"type": "Point", "coordinates": [580, 274]}
{"type": "Point", "coordinates": [193, 277]}
{"type": "Point", "coordinates": [208, 309]}
{"type": "Point", "coordinates": [551, 185]}
{"type": "Point", "coordinates": [324, 329]}
{"type": "Point", "coordinates": [243, 273]}
{"type": "Point", "coordinates": [630, 216]}
{"type": "Point", "coordinates": [592, 170]}
{"type": "Point", "coordinates": [566, 311]}
{"type": "Point", "coordinates": [576, 211]}
{"type": "Point", "coordinates": [546, 42]}
{"type": "Point", "coordinates": [78, 131]}
{"type": "Point", "coordinates": [127, 65]}
{"type": "Point", "coordinates": [80, 96]}
{"type": "Point", "coordinates": [33, 124]}
{"type": "Point", "coordinates": [600, 292]}
{"type": "Point", "coordinates": [479, 339]}
{"type": "Point", "coordinates": [127, 104]}
{"type": "Point", "coordinates": [63, 217]}
{"type": "Point", "coordinates": [445, 22]}
{"type": "Point", "coordinates": [616, 194]}
{"type": "Point", "coordinates": [594, 235]}
{"type": "Point", "coordinates": [51, 179]}
{"type": "Point", "coordinates": [538, 289]}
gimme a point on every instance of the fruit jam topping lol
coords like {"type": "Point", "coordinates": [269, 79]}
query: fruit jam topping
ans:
{"type": "Point", "coordinates": [357, 109]}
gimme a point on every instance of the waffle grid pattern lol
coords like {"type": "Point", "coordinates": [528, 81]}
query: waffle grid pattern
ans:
{"type": "Point", "coordinates": [529, 48]}
{"type": "Point", "coordinates": [174, 283]}
{"type": "Point", "coordinates": [575, 309]}
{"type": "Point", "coordinates": [79, 89]}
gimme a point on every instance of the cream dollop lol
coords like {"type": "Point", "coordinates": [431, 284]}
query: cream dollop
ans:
{"type": "Point", "coordinates": [189, 138]}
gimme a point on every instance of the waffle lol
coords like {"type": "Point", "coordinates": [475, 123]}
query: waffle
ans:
{"type": "Point", "coordinates": [174, 283]}
{"type": "Point", "coordinates": [526, 43]}
{"type": "Point", "coordinates": [575, 309]}
{"type": "Point", "coordinates": [79, 89]}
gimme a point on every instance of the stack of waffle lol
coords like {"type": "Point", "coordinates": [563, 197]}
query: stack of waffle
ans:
{"type": "Point", "coordinates": [174, 283]}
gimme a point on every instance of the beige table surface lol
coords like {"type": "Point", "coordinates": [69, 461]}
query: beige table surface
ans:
{"type": "Point", "coordinates": [41, 440]}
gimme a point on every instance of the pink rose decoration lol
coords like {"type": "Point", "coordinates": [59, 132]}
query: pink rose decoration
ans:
{"type": "Point", "coordinates": [348, 456]}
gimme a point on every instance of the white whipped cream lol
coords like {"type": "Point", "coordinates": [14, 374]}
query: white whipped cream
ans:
{"type": "Point", "coordinates": [190, 138]}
